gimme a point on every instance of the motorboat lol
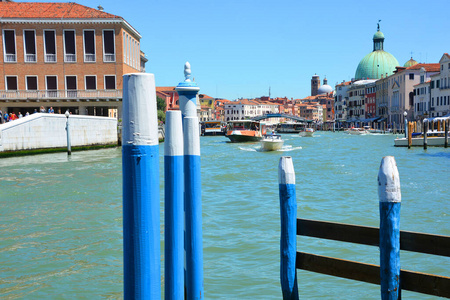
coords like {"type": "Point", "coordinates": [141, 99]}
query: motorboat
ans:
{"type": "Point", "coordinates": [271, 142]}
{"type": "Point", "coordinates": [213, 127]}
{"type": "Point", "coordinates": [307, 132]}
{"type": "Point", "coordinates": [356, 131]}
{"type": "Point", "coordinates": [240, 131]}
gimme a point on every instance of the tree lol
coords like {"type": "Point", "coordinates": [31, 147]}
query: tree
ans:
{"type": "Point", "coordinates": [161, 107]}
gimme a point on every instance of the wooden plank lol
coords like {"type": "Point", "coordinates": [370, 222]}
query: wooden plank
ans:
{"type": "Point", "coordinates": [339, 232]}
{"type": "Point", "coordinates": [409, 241]}
{"type": "Point", "coordinates": [425, 283]}
{"type": "Point", "coordinates": [338, 267]}
{"type": "Point", "coordinates": [411, 281]}
{"type": "Point", "coordinates": [425, 243]}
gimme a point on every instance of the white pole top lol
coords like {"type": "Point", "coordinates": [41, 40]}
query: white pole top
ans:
{"type": "Point", "coordinates": [389, 181]}
{"type": "Point", "coordinates": [286, 173]}
{"type": "Point", "coordinates": [173, 143]}
{"type": "Point", "coordinates": [191, 136]}
{"type": "Point", "coordinates": [140, 119]}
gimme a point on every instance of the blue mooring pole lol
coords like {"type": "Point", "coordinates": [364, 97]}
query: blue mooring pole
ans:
{"type": "Point", "coordinates": [288, 241]}
{"type": "Point", "coordinates": [140, 159]}
{"type": "Point", "coordinates": [187, 92]}
{"type": "Point", "coordinates": [390, 201]}
{"type": "Point", "coordinates": [174, 207]}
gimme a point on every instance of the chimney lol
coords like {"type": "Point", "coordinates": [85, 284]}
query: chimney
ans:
{"type": "Point", "coordinates": [100, 8]}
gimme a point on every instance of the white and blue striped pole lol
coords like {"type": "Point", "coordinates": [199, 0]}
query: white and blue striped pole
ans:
{"type": "Point", "coordinates": [390, 201]}
{"type": "Point", "coordinates": [187, 92]}
{"type": "Point", "coordinates": [288, 241]}
{"type": "Point", "coordinates": [140, 160]}
{"type": "Point", "coordinates": [174, 208]}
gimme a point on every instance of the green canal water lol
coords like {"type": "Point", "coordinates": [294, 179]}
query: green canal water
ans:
{"type": "Point", "coordinates": [61, 217]}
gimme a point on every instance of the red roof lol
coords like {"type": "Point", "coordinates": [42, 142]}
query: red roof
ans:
{"type": "Point", "coordinates": [40, 10]}
{"type": "Point", "coordinates": [428, 67]}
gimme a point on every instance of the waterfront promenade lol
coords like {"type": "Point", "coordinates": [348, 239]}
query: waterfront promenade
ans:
{"type": "Point", "coordinates": [61, 223]}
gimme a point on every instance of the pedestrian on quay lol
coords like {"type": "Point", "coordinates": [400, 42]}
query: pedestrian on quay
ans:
{"type": "Point", "coordinates": [12, 116]}
{"type": "Point", "coordinates": [50, 110]}
{"type": "Point", "coordinates": [1, 117]}
{"type": "Point", "coordinates": [27, 114]}
{"type": "Point", "coordinates": [42, 110]}
{"type": "Point", "coordinates": [6, 117]}
{"type": "Point", "coordinates": [20, 115]}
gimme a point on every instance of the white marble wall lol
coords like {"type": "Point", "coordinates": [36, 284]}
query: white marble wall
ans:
{"type": "Point", "coordinates": [43, 130]}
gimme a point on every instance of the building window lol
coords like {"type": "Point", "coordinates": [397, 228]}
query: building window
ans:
{"type": "Point", "coordinates": [69, 46]}
{"type": "Point", "coordinates": [110, 82]}
{"type": "Point", "coordinates": [29, 37]}
{"type": "Point", "coordinates": [31, 82]}
{"type": "Point", "coordinates": [421, 78]}
{"type": "Point", "coordinates": [432, 84]}
{"type": "Point", "coordinates": [11, 83]}
{"type": "Point", "coordinates": [90, 82]}
{"type": "Point", "coordinates": [9, 45]}
{"type": "Point", "coordinates": [437, 83]}
{"type": "Point", "coordinates": [49, 46]}
{"type": "Point", "coordinates": [71, 86]}
{"type": "Point", "coordinates": [51, 83]}
{"type": "Point", "coordinates": [109, 52]}
{"type": "Point", "coordinates": [411, 76]}
{"type": "Point", "coordinates": [89, 45]}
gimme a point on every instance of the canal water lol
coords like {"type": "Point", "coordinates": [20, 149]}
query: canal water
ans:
{"type": "Point", "coordinates": [61, 217]}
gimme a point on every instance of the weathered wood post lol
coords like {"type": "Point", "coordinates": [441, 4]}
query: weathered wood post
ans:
{"type": "Point", "coordinates": [425, 134]}
{"type": "Point", "coordinates": [410, 130]}
{"type": "Point", "coordinates": [187, 91]}
{"type": "Point", "coordinates": [446, 133]}
{"type": "Point", "coordinates": [288, 241]}
{"type": "Point", "coordinates": [389, 195]}
{"type": "Point", "coordinates": [174, 207]}
{"type": "Point", "coordinates": [140, 159]}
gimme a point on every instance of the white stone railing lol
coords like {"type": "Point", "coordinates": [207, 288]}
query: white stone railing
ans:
{"type": "Point", "coordinates": [59, 94]}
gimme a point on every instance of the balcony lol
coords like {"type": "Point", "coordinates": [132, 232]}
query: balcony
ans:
{"type": "Point", "coordinates": [30, 57]}
{"type": "Point", "coordinates": [10, 58]}
{"type": "Point", "coordinates": [50, 57]}
{"type": "Point", "coordinates": [109, 57]}
{"type": "Point", "coordinates": [89, 57]}
{"type": "Point", "coordinates": [54, 95]}
{"type": "Point", "coordinates": [70, 58]}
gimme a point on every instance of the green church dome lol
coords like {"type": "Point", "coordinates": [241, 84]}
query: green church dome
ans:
{"type": "Point", "coordinates": [378, 62]}
{"type": "Point", "coordinates": [410, 63]}
{"type": "Point", "coordinates": [375, 64]}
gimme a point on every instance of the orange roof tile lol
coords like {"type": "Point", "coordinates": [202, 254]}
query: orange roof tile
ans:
{"type": "Point", "coordinates": [165, 88]}
{"type": "Point", "coordinates": [40, 10]}
{"type": "Point", "coordinates": [435, 67]}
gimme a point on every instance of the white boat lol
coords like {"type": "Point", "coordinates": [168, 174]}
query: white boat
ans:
{"type": "Point", "coordinates": [307, 132]}
{"type": "Point", "coordinates": [434, 138]}
{"type": "Point", "coordinates": [356, 131]}
{"type": "Point", "coordinates": [271, 142]}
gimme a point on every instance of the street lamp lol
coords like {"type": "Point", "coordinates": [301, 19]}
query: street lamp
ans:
{"type": "Point", "coordinates": [69, 150]}
{"type": "Point", "coordinates": [405, 113]}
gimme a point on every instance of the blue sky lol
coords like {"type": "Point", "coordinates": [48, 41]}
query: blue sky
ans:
{"type": "Point", "coordinates": [240, 48]}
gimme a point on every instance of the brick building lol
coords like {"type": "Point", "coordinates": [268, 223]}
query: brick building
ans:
{"type": "Point", "coordinates": [65, 56]}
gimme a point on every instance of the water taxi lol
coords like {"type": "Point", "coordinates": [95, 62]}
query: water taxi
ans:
{"type": "Point", "coordinates": [240, 131]}
{"type": "Point", "coordinates": [271, 142]}
{"type": "Point", "coordinates": [307, 132]}
{"type": "Point", "coordinates": [213, 127]}
{"type": "Point", "coordinates": [290, 127]}
{"type": "Point", "coordinates": [356, 131]}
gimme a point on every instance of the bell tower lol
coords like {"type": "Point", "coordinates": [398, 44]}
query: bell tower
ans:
{"type": "Point", "coordinates": [315, 84]}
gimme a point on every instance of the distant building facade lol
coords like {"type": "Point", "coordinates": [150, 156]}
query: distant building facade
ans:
{"type": "Point", "coordinates": [66, 56]}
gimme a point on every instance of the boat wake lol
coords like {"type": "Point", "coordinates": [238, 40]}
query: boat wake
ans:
{"type": "Point", "coordinates": [285, 148]}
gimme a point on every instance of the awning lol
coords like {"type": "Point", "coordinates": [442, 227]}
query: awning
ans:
{"type": "Point", "coordinates": [370, 120]}
{"type": "Point", "coordinates": [435, 119]}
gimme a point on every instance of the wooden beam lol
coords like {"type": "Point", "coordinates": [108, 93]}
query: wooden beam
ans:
{"type": "Point", "coordinates": [411, 281]}
{"type": "Point", "coordinates": [365, 235]}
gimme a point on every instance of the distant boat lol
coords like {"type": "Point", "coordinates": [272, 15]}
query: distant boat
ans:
{"type": "Point", "coordinates": [241, 131]}
{"type": "Point", "coordinates": [290, 127]}
{"type": "Point", "coordinates": [356, 131]}
{"type": "Point", "coordinates": [307, 132]}
{"type": "Point", "coordinates": [271, 142]}
{"type": "Point", "coordinates": [213, 127]}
